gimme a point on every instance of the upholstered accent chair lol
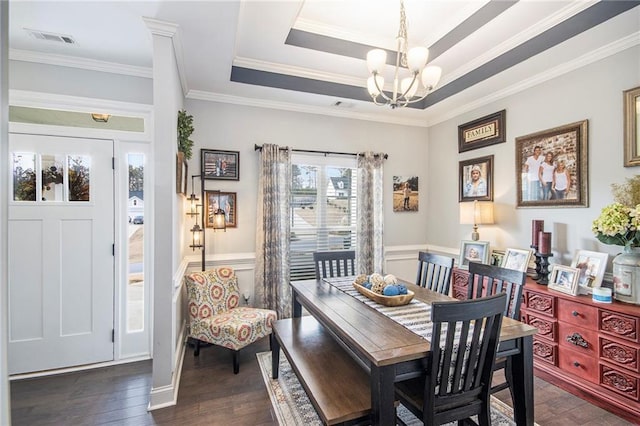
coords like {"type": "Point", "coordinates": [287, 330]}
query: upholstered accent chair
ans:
{"type": "Point", "coordinates": [215, 314]}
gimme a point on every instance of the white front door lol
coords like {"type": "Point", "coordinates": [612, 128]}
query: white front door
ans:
{"type": "Point", "coordinates": [61, 263]}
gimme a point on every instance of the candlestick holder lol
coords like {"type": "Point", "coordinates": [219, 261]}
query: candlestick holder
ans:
{"type": "Point", "coordinates": [537, 261]}
{"type": "Point", "coordinates": [543, 276]}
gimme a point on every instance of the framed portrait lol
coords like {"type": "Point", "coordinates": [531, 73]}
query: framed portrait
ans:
{"type": "Point", "coordinates": [591, 266]}
{"type": "Point", "coordinates": [182, 172]}
{"type": "Point", "coordinates": [551, 167]}
{"type": "Point", "coordinates": [496, 257]}
{"type": "Point", "coordinates": [473, 251]}
{"type": "Point", "coordinates": [632, 127]}
{"type": "Point", "coordinates": [485, 131]}
{"type": "Point", "coordinates": [476, 179]}
{"type": "Point", "coordinates": [564, 279]}
{"type": "Point", "coordinates": [220, 165]}
{"type": "Point", "coordinates": [227, 201]}
{"type": "Point", "coordinates": [405, 193]}
{"type": "Point", "coordinates": [516, 259]}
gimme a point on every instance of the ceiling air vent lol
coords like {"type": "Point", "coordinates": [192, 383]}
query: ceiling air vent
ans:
{"type": "Point", "coordinates": [59, 38]}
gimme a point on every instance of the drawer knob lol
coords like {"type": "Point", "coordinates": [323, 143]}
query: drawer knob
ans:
{"type": "Point", "coordinates": [575, 313]}
{"type": "Point", "coordinates": [578, 340]}
{"type": "Point", "coordinates": [576, 364]}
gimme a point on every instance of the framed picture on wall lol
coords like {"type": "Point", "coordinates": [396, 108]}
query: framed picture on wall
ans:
{"type": "Point", "coordinates": [220, 165]}
{"type": "Point", "coordinates": [632, 127]}
{"type": "Point", "coordinates": [476, 179]}
{"type": "Point", "coordinates": [405, 193]}
{"type": "Point", "coordinates": [551, 167]}
{"type": "Point", "coordinates": [227, 201]}
{"type": "Point", "coordinates": [485, 131]}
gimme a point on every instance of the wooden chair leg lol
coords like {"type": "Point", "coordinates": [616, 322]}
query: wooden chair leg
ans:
{"type": "Point", "coordinates": [196, 351]}
{"type": "Point", "coordinates": [236, 362]}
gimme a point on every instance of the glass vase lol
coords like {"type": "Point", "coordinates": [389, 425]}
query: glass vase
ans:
{"type": "Point", "coordinates": [626, 275]}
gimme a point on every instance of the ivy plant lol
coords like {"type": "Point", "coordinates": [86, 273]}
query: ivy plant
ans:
{"type": "Point", "coordinates": [185, 128]}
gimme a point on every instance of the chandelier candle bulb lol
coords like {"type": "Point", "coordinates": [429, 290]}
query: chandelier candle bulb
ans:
{"type": "Point", "coordinates": [544, 242]}
{"type": "Point", "coordinates": [537, 226]}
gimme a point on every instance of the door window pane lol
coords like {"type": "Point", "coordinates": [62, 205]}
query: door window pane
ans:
{"type": "Point", "coordinates": [135, 211]}
{"type": "Point", "coordinates": [79, 173]}
{"type": "Point", "coordinates": [52, 177]}
{"type": "Point", "coordinates": [24, 176]}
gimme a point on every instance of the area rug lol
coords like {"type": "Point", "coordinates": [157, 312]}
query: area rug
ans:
{"type": "Point", "coordinates": [293, 407]}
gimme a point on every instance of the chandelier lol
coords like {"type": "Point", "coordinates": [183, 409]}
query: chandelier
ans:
{"type": "Point", "coordinates": [415, 60]}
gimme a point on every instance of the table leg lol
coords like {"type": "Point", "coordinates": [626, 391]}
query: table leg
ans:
{"type": "Point", "coordinates": [275, 356]}
{"type": "Point", "coordinates": [297, 307]}
{"type": "Point", "coordinates": [383, 395]}
{"type": "Point", "coordinates": [522, 383]}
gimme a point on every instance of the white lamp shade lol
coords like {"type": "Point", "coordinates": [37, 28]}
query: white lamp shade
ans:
{"type": "Point", "coordinates": [406, 84]}
{"type": "Point", "coordinates": [417, 58]}
{"type": "Point", "coordinates": [431, 76]}
{"type": "Point", "coordinates": [371, 85]}
{"type": "Point", "coordinates": [476, 213]}
{"type": "Point", "coordinates": [376, 59]}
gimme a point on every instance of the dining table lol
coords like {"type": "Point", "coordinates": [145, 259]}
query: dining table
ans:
{"type": "Point", "coordinates": [390, 351]}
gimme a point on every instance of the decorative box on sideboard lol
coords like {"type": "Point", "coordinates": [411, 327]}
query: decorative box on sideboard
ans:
{"type": "Point", "coordinates": [586, 348]}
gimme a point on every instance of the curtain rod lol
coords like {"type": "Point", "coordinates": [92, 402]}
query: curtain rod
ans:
{"type": "Point", "coordinates": [259, 148]}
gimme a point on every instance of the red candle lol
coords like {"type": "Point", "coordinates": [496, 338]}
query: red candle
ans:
{"type": "Point", "coordinates": [537, 226]}
{"type": "Point", "coordinates": [544, 239]}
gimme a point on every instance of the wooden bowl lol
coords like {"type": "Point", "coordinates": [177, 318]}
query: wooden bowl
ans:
{"type": "Point", "coordinates": [399, 300]}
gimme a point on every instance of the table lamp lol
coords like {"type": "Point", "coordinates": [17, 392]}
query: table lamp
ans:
{"type": "Point", "coordinates": [476, 213]}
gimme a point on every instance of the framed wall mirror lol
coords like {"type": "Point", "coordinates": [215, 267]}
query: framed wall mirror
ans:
{"type": "Point", "coordinates": [632, 127]}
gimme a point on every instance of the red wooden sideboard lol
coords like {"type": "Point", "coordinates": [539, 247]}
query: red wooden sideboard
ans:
{"type": "Point", "coordinates": [589, 349]}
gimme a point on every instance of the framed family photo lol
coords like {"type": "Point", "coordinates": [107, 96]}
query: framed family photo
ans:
{"type": "Point", "coordinates": [220, 165]}
{"type": "Point", "coordinates": [591, 266]}
{"type": "Point", "coordinates": [516, 259]}
{"type": "Point", "coordinates": [551, 167]}
{"type": "Point", "coordinates": [227, 201]}
{"type": "Point", "coordinates": [485, 131]}
{"type": "Point", "coordinates": [476, 179]}
{"type": "Point", "coordinates": [473, 251]}
{"type": "Point", "coordinates": [564, 279]}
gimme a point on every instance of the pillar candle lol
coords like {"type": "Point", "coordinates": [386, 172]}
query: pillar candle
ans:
{"type": "Point", "coordinates": [537, 226]}
{"type": "Point", "coordinates": [544, 241]}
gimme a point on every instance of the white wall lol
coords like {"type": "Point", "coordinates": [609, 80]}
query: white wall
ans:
{"type": "Point", "coordinates": [593, 93]}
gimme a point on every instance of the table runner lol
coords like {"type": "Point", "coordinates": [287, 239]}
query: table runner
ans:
{"type": "Point", "coordinates": [415, 316]}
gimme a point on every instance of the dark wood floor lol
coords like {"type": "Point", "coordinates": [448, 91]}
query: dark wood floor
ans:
{"type": "Point", "coordinates": [210, 394]}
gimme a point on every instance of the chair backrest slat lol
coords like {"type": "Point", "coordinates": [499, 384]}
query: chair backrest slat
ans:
{"type": "Point", "coordinates": [434, 272]}
{"type": "Point", "coordinates": [486, 280]}
{"type": "Point", "coordinates": [338, 263]}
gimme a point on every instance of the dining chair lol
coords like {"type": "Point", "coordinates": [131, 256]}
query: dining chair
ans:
{"type": "Point", "coordinates": [338, 263]}
{"type": "Point", "coordinates": [434, 271]}
{"type": "Point", "coordinates": [215, 316]}
{"type": "Point", "coordinates": [457, 383]}
{"type": "Point", "coordinates": [503, 280]}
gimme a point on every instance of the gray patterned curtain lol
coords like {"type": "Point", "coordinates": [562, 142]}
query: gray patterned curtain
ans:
{"type": "Point", "coordinates": [272, 230]}
{"type": "Point", "coordinates": [370, 212]}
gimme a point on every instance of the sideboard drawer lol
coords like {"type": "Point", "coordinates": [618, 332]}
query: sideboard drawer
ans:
{"type": "Point", "coordinates": [578, 338]}
{"type": "Point", "coordinates": [579, 314]}
{"type": "Point", "coordinates": [619, 325]}
{"type": "Point", "coordinates": [545, 351]}
{"type": "Point", "coordinates": [546, 327]}
{"type": "Point", "coordinates": [621, 382]}
{"type": "Point", "coordinates": [620, 354]}
{"type": "Point", "coordinates": [579, 364]}
{"type": "Point", "coordinates": [541, 303]}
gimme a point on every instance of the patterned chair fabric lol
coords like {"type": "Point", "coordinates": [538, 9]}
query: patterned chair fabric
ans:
{"type": "Point", "coordinates": [215, 315]}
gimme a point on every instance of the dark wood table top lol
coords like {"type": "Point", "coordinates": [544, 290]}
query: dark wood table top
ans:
{"type": "Point", "coordinates": [382, 340]}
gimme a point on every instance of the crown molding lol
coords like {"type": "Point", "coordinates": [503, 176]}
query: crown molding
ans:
{"type": "Point", "coordinates": [81, 63]}
{"type": "Point", "coordinates": [286, 106]}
